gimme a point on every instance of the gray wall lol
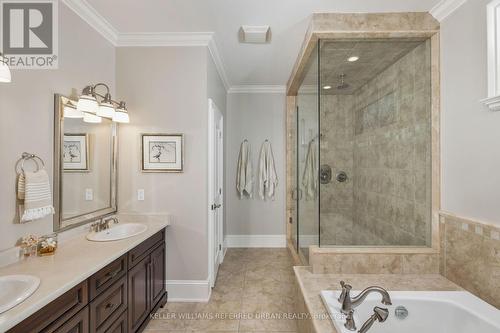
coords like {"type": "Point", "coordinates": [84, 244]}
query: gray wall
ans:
{"type": "Point", "coordinates": [470, 132]}
{"type": "Point", "coordinates": [167, 92]}
{"type": "Point", "coordinates": [255, 117]}
{"type": "Point", "coordinates": [27, 105]}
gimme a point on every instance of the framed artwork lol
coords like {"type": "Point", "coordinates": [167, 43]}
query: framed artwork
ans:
{"type": "Point", "coordinates": [76, 152]}
{"type": "Point", "coordinates": [162, 152]}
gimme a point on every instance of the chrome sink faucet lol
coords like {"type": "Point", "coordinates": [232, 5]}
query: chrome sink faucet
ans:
{"type": "Point", "coordinates": [103, 224]}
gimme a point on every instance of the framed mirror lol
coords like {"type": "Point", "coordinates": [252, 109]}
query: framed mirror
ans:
{"type": "Point", "coordinates": [85, 152]}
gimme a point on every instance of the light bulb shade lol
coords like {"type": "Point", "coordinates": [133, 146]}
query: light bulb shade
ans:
{"type": "Point", "coordinates": [121, 116]}
{"type": "Point", "coordinates": [70, 111]}
{"type": "Point", "coordinates": [87, 103]}
{"type": "Point", "coordinates": [91, 118]}
{"type": "Point", "coordinates": [106, 110]}
{"type": "Point", "coordinates": [4, 72]}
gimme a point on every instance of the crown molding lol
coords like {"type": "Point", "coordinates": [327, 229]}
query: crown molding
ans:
{"type": "Point", "coordinates": [257, 89]}
{"type": "Point", "coordinates": [444, 8]}
{"type": "Point", "coordinates": [88, 13]}
{"type": "Point", "coordinates": [219, 63]}
{"type": "Point", "coordinates": [145, 39]}
{"type": "Point", "coordinates": [183, 39]}
{"type": "Point", "coordinates": [148, 39]}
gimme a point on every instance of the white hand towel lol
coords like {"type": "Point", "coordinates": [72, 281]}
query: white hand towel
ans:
{"type": "Point", "coordinates": [38, 197]}
{"type": "Point", "coordinates": [268, 179]}
{"type": "Point", "coordinates": [21, 186]}
{"type": "Point", "coordinates": [244, 172]}
{"type": "Point", "coordinates": [310, 176]}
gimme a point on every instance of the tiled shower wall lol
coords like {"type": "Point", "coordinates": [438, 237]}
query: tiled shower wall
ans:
{"type": "Point", "coordinates": [380, 137]}
{"type": "Point", "coordinates": [337, 200]}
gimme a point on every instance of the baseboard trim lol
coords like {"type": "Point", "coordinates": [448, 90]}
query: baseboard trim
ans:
{"type": "Point", "coordinates": [238, 241]}
{"type": "Point", "coordinates": [189, 290]}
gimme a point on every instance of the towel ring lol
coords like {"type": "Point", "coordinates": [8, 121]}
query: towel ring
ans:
{"type": "Point", "coordinates": [27, 156]}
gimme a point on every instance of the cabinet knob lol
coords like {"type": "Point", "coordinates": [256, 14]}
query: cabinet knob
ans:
{"type": "Point", "coordinates": [110, 305]}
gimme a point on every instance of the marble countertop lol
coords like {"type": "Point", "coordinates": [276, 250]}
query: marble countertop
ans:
{"type": "Point", "coordinates": [311, 285]}
{"type": "Point", "coordinates": [76, 260]}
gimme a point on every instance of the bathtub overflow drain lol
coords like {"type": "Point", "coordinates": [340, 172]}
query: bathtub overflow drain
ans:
{"type": "Point", "coordinates": [401, 312]}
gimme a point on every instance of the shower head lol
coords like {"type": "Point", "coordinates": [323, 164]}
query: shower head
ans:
{"type": "Point", "coordinates": [342, 84]}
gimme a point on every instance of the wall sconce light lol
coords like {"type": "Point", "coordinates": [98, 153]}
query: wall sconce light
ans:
{"type": "Point", "coordinates": [4, 70]}
{"type": "Point", "coordinates": [93, 109]}
{"type": "Point", "coordinates": [91, 118]}
{"type": "Point", "coordinates": [70, 110]}
{"type": "Point", "coordinates": [121, 114]}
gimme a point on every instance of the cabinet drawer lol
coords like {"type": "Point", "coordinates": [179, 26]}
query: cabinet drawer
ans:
{"type": "Point", "coordinates": [140, 251]}
{"type": "Point", "coordinates": [78, 324]}
{"type": "Point", "coordinates": [119, 326]}
{"type": "Point", "coordinates": [108, 306]}
{"type": "Point", "coordinates": [101, 280]}
{"type": "Point", "coordinates": [56, 312]}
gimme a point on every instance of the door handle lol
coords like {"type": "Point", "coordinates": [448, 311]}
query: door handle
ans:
{"type": "Point", "coordinates": [215, 206]}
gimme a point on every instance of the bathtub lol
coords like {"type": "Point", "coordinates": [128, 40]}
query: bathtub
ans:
{"type": "Point", "coordinates": [427, 311]}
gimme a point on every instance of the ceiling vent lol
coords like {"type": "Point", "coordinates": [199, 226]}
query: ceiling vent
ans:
{"type": "Point", "coordinates": [255, 34]}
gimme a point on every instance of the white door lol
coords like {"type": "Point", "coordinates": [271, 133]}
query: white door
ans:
{"type": "Point", "coordinates": [215, 188]}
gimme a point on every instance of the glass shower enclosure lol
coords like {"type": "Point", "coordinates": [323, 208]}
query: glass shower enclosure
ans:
{"type": "Point", "coordinates": [362, 169]}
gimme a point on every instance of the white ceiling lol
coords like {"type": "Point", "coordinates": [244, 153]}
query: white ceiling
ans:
{"type": "Point", "coordinates": [245, 64]}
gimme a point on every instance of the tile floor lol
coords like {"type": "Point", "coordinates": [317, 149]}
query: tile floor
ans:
{"type": "Point", "coordinates": [254, 292]}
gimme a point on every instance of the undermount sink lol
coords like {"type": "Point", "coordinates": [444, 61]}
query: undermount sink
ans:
{"type": "Point", "coordinates": [117, 232]}
{"type": "Point", "coordinates": [16, 288]}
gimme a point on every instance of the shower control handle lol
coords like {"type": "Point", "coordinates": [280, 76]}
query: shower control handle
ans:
{"type": "Point", "coordinates": [341, 177]}
{"type": "Point", "coordinates": [325, 174]}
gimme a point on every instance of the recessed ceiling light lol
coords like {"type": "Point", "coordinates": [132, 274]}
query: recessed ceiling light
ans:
{"type": "Point", "coordinates": [353, 59]}
{"type": "Point", "coordinates": [327, 87]}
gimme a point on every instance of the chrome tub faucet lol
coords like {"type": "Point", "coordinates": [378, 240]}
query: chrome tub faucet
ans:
{"type": "Point", "coordinates": [348, 305]}
{"type": "Point", "coordinates": [379, 314]}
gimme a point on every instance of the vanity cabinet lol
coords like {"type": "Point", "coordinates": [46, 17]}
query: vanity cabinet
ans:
{"type": "Point", "coordinates": [146, 286]}
{"type": "Point", "coordinates": [117, 299]}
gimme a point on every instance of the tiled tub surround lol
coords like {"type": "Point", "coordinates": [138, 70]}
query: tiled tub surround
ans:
{"type": "Point", "coordinates": [380, 136]}
{"type": "Point", "coordinates": [470, 256]}
{"type": "Point", "coordinates": [310, 285]}
{"type": "Point", "coordinates": [372, 261]}
{"type": "Point", "coordinates": [76, 259]}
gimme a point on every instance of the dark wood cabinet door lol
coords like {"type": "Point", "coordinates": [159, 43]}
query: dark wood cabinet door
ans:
{"type": "Point", "coordinates": [157, 274]}
{"type": "Point", "coordinates": [139, 294]}
{"type": "Point", "coordinates": [77, 324]}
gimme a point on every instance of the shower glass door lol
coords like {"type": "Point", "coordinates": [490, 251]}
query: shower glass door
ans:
{"type": "Point", "coordinates": [308, 156]}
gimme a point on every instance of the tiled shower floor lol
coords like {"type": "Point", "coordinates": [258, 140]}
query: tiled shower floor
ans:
{"type": "Point", "coordinates": [254, 292]}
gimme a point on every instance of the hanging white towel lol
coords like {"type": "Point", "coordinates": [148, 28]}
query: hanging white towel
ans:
{"type": "Point", "coordinates": [310, 176]}
{"type": "Point", "coordinates": [20, 186]}
{"type": "Point", "coordinates": [37, 196]}
{"type": "Point", "coordinates": [244, 172]}
{"type": "Point", "coordinates": [268, 179]}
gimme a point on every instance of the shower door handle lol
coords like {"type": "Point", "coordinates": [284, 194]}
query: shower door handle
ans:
{"type": "Point", "coordinates": [296, 194]}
